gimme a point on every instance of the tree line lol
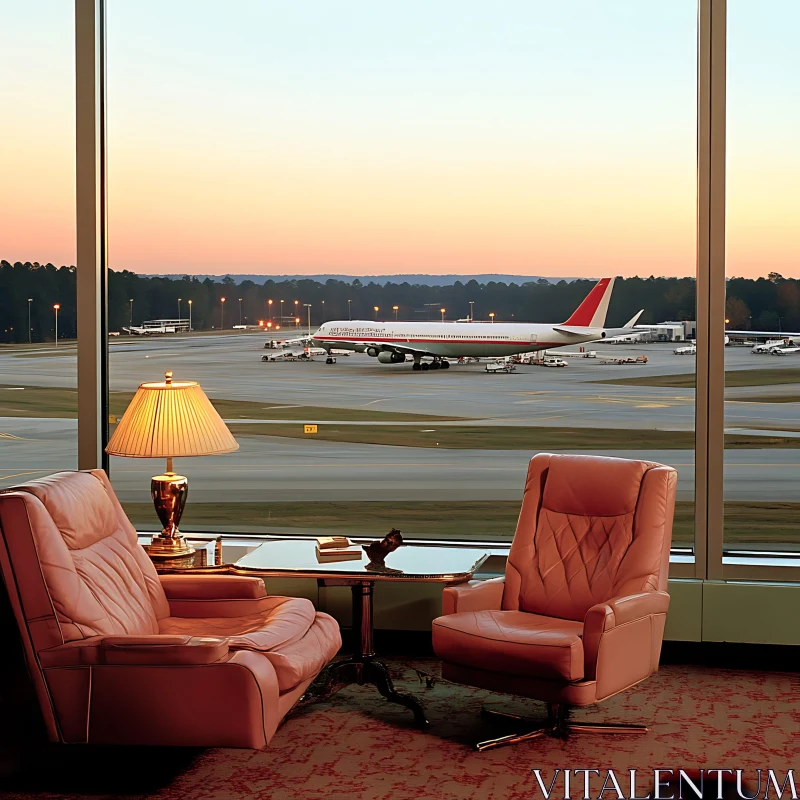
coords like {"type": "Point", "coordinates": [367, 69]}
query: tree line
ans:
{"type": "Point", "coordinates": [770, 303]}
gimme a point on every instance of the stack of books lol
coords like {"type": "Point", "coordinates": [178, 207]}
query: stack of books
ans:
{"type": "Point", "coordinates": [337, 548]}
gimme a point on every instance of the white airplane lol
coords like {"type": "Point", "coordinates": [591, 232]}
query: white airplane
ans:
{"type": "Point", "coordinates": [391, 342]}
{"type": "Point", "coordinates": [689, 350]}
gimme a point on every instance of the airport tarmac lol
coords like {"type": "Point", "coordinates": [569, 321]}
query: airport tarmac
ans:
{"type": "Point", "coordinates": [230, 366]}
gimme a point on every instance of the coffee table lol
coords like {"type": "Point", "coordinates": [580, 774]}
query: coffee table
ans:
{"type": "Point", "coordinates": [297, 558]}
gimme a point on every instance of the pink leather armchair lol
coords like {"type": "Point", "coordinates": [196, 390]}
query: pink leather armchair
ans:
{"type": "Point", "coordinates": [580, 613]}
{"type": "Point", "coordinates": [119, 655]}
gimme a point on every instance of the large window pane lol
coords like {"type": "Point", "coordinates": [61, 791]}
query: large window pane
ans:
{"type": "Point", "coordinates": [368, 140]}
{"type": "Point", "coordinates": [38, 402]}
{"type": "Point", "coordinates": [763, 266]}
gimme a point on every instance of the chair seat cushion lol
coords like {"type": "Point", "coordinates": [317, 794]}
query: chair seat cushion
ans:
{"type": "Point", "coordinates": [512, 642]}
{"type": "Point", "coordinates": [289, 632]}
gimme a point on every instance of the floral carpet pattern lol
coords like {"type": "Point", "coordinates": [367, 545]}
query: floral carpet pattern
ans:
{"type": "Point", "coordinates": [356, 745]}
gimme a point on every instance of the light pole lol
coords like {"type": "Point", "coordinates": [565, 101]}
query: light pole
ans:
{"type": "Point", "coordinates": [308, 306]}
{"type": "Point", "coordinates": [30, 300]}
{"type": "Point", "coordinates": [323, 311]}
{"type": "Point", "coordinates": [190, 316]}
{"type": "Point", "coordinates": [269, 308]}
{"type": "Point", "coordinates": [55, 308]}
{"type": "Point", "coordinates": [348, 309]}
{"type": "Point", "coordinates": [395, 309]}
{"type": "Point", "coordinates": [297, 322]}
{"type": "Point", "coordinates": [130, 321]}
{"type": "Point", "coordinates": [179, 308]}
{"type": "Point", "coordinates": [442, 310]}
{"type": "Point", "coordinates": [240, 311]}
{"type": "Point", "coordinates": [222, 313]}
{"type": "Point", "coordinates": [471, 311]}
{"type": "Point", "coordinates": [491, 317]}
{"type": "Point", "coordinates": [376, 310]}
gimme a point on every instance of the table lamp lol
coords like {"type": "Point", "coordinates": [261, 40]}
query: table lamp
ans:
{"type": "Point", "coordinates": [170, 420]}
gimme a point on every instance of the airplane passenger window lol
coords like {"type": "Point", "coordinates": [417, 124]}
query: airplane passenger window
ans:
{"type": "Point", "coordinates": [405, 184]}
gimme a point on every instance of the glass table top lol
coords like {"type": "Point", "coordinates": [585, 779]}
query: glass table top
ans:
{"type": "Point", "coordinates": [298, 557]}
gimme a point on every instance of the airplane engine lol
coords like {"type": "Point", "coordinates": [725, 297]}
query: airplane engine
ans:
{"type": "Point", "coordinates": [387, 357]}
{"type": "Point", "coordinates": [374, 352]}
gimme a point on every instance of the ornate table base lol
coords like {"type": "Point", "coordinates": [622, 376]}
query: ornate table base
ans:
{"type": "Point", "coordinates": [362, 667]}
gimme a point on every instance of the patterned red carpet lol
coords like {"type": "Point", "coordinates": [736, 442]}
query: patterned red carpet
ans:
{"type": "Point", "coordinates": [357, 746]}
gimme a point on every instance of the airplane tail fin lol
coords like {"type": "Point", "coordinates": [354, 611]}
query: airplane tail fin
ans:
{"type": "Point", "coordinates": [633, 320]}
{"type": "Point", "coordinates": [591, 313]}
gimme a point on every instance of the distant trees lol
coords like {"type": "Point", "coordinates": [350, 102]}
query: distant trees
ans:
{"type": "Point", "coordinates": [769, 303]}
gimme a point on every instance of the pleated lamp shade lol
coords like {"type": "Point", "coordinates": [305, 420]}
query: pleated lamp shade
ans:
{"type": "Point", "coordinates": [168, 420]}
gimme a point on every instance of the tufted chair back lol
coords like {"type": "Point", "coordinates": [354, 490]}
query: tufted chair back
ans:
{"type": "Point", "coordinates": [94, 576]}
{"type": "Point", "coordinates": [590, 529]}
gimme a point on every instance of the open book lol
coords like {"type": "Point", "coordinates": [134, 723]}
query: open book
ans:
{"type": "Point", "coordinates": [337, 548]}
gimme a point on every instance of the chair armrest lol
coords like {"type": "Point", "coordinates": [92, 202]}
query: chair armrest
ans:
{"type": "Point", "coordinates": [162, 649]}
{"type": "Point", "coordinates": [212, 587]}
{"type": "Point", "coordinates": [156, 650]}
{"type": "Point", "coordinates": [473, 596]}
{"type": "Point", "coordinates": [602, 617]}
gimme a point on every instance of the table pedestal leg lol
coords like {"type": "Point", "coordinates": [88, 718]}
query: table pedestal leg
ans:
{"type": "Point", "coordinates": [362, 667]}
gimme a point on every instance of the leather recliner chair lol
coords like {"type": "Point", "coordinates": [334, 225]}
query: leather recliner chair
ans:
{"type": "Point", "coordinates": [580, 613]}
{"type": "Point", "coordinates": [121, 655]}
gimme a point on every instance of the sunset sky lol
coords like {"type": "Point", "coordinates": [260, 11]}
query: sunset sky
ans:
{"type": "Point", "coordinates": [369, 136]}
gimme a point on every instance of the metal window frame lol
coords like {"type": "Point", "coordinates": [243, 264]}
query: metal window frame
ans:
{"type": "Point", "coordinates": [92, 262]}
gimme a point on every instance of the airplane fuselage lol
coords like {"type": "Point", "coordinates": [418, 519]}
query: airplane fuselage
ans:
{"type": "Point", "coordinates": [448, 339]}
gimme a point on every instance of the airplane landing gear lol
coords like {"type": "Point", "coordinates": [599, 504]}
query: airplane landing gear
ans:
{"type": "Point", "coordinates": [330, 360]}
{"type": "Point", "coordinates": [416, 366]}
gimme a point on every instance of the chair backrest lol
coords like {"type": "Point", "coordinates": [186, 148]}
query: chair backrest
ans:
{"type": "Point", "coordinates": [72, 558]}
{"type": "Point", "coordinates": [590, 529]}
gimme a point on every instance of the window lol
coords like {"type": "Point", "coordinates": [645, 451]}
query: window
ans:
{"type": "Point", "coordinates": [763, 287]}
{"type": "Point", "coordinates": [38, 402]}
{"type": "Point", "coordinates": [360, 138]}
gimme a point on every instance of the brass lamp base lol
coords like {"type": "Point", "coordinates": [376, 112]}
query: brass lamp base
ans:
{"type": "Point", "coordinates": [169, 492]}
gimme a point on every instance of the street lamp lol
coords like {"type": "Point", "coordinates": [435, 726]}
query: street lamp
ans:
{"type": "Point", "coordinates": [240, 312]}
{"type": "Point", "coordinates": [297, 322]}
{"type": "Point", "coordinates": [55, 308]}
{"type": "Point", "coordinates": [348, 309]}
{"type": "Point", "coordinates": [442, 310]}
{"type": "Point", "coordinates": [491, 317]}
{"type": "Point", "coordinates": [222, 313]}
{"type": "Point", "coordinates": [130, 321]}
{"type": "Point", "coordinates": [296, 303]}
{"type": "Point", "coordinates": [471, 311]}
{"type": "Point", "coordinates": [30, 300]}
{"type": "Point", "coordinates": [281, 310]}
{"type": "Point", "coordinates": [190, 315]}
{"type": "Point", "coordinates": [308, 306]}
{"type": "Point", "coordinates": [376, 309]}
{"type": "Point", "coordinates": [269, 306]}
{"type": "Point", "coordinates": [323, 311]}
{"type": "Point", "coordinates": [395, 309]}
{"type": "Point", "coordinates": [179, 308]}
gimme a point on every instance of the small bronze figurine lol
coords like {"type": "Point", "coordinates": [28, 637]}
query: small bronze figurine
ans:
{"type": "Point", "coordinates": [377, 551]}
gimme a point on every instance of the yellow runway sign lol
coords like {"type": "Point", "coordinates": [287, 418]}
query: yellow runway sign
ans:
{"type": "Point", "coordinates": [309, 428]}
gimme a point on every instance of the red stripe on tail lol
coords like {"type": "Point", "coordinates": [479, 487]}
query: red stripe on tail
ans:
{"type": "Point", "coordinates": [584, 313]}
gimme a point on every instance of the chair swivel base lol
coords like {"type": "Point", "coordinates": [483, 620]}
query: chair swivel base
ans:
{"type": "Point", "coordinates": [556, 725]}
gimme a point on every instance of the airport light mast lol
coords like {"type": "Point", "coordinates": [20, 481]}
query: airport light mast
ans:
{"type": "Point", "coordinates": [30, 300]}
{"type": "Point", "coordinates": [190, 316]}
{"type": "Point", "coordinates": [269, 306]}
{"type": "Point", "coordinates": [442, 310]}
{"type": "Point", "coordinates": [348, 309]}
{"type": "Point", "coordinates": [222, 313]}
{"type": "Point", "coordinates": [55, 308]}
{"type": "Point", "coordinates": [471, 311]}
{"type": "Point", "coordinates": [395, 309]}
{"type": "Point", "coordinates": [376, 309]}
{"type": "Point", "coordinates": [308, 306]}
{"type": "Point", "coordinates": [491, 316]}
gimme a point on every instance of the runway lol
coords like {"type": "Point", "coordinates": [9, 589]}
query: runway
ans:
{"type": "Point", "coordinates": [230, 366]}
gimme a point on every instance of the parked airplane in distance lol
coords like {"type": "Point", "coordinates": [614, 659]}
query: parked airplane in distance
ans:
{"type": "Point", "coordinates": [391, 342]}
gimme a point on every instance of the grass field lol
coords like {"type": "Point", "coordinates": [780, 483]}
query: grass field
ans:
{"type": "Point", "coordinates": [739, 377]}
{"type": "Point", "coordinates": [769, 398]}
{"type": "Point", "coordinates": [42, 401]}
{"type": "Point", "coordinates": [498, 437]}
{"type": "Point", "coordinates": [773, 523]}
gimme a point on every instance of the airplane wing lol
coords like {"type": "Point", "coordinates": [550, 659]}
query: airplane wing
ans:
{"type": "Point", "coordinates": [576, 331]}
